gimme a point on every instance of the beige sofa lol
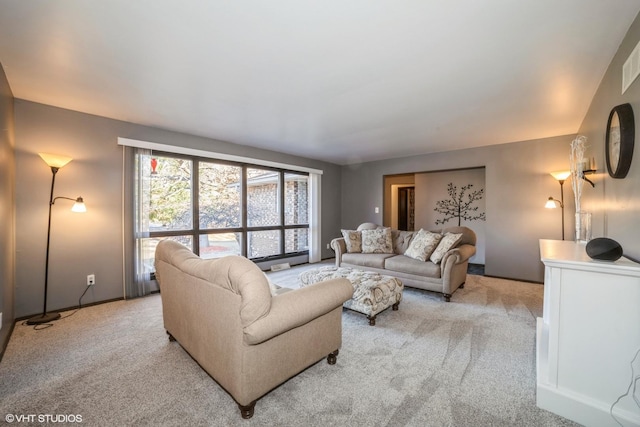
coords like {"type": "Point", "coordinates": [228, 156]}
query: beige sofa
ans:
{"type": "Point", "coordinates": [445, 277]}
{"type": "Point", "coordinates": [246, 335]}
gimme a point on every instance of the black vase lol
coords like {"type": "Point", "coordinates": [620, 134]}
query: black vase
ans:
{"type": "Point", "coordinates": [604, 249]}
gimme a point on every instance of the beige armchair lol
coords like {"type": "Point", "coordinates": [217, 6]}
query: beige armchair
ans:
{"type": "Point", "coordinates": [224, 314]}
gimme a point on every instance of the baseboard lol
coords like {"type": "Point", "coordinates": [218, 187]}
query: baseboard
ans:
{"type": "Point", "coordinates": [515, 280]}
{"type": "Point", "coordinates": [89, 304]}
{"type": "Point", "coordinates": [581, 409]}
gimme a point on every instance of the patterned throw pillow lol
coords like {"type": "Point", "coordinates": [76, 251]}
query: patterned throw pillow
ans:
{"type": "Point", "coordinates": [423, 245]}
{"type": "Point", "coordinates": [377, 241]}
{"type": "Point", "coordinates": [447, 242]}
{"type": "Point", "coordinates": [353, 240]}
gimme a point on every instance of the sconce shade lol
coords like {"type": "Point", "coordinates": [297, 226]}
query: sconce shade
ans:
{"type": "Point", "coordinates": [55, 160]}
{"type": "Point", "coordinates": [551, 203]}
{"type": "Point", "coordinates": [561, 175]}
{"type": "Point", "coordinates": [79, 206]}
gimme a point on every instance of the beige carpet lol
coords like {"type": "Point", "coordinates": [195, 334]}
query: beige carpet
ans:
{"type": "Point", "coordinates": [470, 362]}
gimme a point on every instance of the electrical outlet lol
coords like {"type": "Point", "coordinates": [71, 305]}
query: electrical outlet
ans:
{"type": "Point", "coordinates": [328, 246]}
{"type": "Point", "coordinates": [91, 279]}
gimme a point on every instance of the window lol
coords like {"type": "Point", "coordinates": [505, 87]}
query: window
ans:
{"type": "Point", "coordinates": [171, 194]}
{"type": "Point", "coordinates": [220, 201]}
{"type": "Point", "coordinates": [220, 208]}
{"type": "Point", "coordinates": [296, 211]}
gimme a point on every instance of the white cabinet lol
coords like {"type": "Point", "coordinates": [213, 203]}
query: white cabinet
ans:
{"type": "Point", "coordinates": [588, 337]}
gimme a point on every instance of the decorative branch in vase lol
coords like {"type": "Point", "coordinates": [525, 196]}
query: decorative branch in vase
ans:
{"type": "Point", "coordinates": [577, 160]}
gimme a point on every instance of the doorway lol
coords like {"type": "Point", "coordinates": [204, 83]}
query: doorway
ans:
{"type": "Point", "coordinates": [423, 191]}
{"type": "Point", "coordinates": [406, 208]}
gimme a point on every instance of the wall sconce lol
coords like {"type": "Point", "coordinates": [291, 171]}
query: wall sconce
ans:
{"type": "Point", "coordinates": [561, 177]}
{"type": "Point", "coordinates": [589, 167]}
{"type": "Point", "coordinates": [55, 162]}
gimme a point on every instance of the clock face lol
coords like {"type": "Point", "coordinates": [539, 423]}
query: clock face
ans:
{"type": "Point", "coordinates": [614, 143]}
{"type": "Point", "coordinates": [619, 142]}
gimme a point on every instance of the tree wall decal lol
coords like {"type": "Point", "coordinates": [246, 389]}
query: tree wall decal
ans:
{"type": "Point", "coordinates": [457, 206]}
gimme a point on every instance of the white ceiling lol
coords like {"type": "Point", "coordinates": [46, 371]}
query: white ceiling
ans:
{"type": "Point", "coordinates": [339, 80]}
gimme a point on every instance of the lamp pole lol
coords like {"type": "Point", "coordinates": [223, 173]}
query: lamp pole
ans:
{"type": "Point", "coordinates": [47, 317]}
{"type": "Point", "coordinates": [55, 162]}
{"type": "Point", "coordinates": [562, 204]}
{"type": "Point", "coordinates": [561, 177]}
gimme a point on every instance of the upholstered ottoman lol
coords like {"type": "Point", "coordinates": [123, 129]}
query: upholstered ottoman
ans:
{"type": "Point", "coordinates": [372, 292]}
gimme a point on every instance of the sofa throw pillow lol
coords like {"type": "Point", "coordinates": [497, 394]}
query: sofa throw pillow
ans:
{"type": "Point", "coordinates": [353, 240]}
{"type": "Point", "coordinates": [377, 241]}
{"type": "Point", "coordinates": [423, 244]}
{"type": "Point", "coordinates": [447, 242]}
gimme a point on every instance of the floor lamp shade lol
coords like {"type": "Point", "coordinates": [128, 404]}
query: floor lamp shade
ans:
{"type": "Point", "coordinates": [561, 177]}
{"type": "Point", "coordinates": [55, 162]}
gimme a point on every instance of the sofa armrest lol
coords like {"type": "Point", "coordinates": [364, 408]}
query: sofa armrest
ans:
{"type": "Point", "coordinates": [339, 247]}
{"type": "Point", "coordinates": [298, 307]}
{"type": "Point", "coordinates": [454, 268]}
{"type": "Point", "coordinates": [462, 253]}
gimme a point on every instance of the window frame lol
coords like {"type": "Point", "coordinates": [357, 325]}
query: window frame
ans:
{"type": "Point", "coordinates": [196, 231]}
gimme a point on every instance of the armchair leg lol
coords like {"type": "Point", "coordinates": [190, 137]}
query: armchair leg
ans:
{"type": "Point", "coordinates": [461, 286]}
{"type": "Point", "coordinates": [247, 411]}
{"type": "Point", "coordinates": [447, 297]}
{"type": "Point", "coordinates": [332, 358]}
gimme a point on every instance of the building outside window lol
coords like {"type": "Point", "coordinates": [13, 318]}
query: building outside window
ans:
{"type": "Point", "coordinates": [221, 208]}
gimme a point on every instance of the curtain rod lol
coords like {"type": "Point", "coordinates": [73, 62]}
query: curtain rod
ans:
{"type": "Point", "coordinates": [212, 155]}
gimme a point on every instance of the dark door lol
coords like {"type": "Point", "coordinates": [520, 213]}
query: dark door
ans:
{"type": "Point", "coordinates": [405, 208]}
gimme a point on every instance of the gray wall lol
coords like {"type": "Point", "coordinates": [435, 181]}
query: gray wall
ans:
{"type": "Point", "coordinates": [92, 243]}
{"type": "Point", "coordinates": [7, 184]}
{"type": "Point", "coordinates": [433, 186]}
{"type": "Point", "coordinates": [616, 202]}
{"type": "Point", "coordinates": [517, 185]}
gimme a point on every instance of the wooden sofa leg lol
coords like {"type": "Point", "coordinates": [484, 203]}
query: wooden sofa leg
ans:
{"type": "Point", "coordinates": [171, 338]}
{"type": "Point", "coordinates": [333, 357]}
{"type": "Point", "coordinates": [372, 320]}
{"type": "Point", "coordinates": [447, 297]}
{"type": "Point", "coordinates": [247, 411]}
{"type": "Point", "coordinates": [461, 286]}
{"type": "Point", "coordinates": [395, 306]}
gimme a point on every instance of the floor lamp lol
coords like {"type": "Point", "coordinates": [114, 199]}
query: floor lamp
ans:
{"type": "Point", "coordinates": [561, 177]}
{"type": "Point", "coordinates": [55, 162]}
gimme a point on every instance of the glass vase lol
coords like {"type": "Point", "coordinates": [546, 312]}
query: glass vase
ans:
{"type": "Point", "coordinates": [583, 226]}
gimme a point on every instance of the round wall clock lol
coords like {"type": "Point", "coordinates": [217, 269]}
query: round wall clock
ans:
{"type": "Point", "coordinates": [620, 136]}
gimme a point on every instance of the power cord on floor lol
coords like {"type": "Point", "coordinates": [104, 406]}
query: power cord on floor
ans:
{"type": "Point", "coordinates": [633, 386]}
{"type": "Point", "coordinates": [42, 326]}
